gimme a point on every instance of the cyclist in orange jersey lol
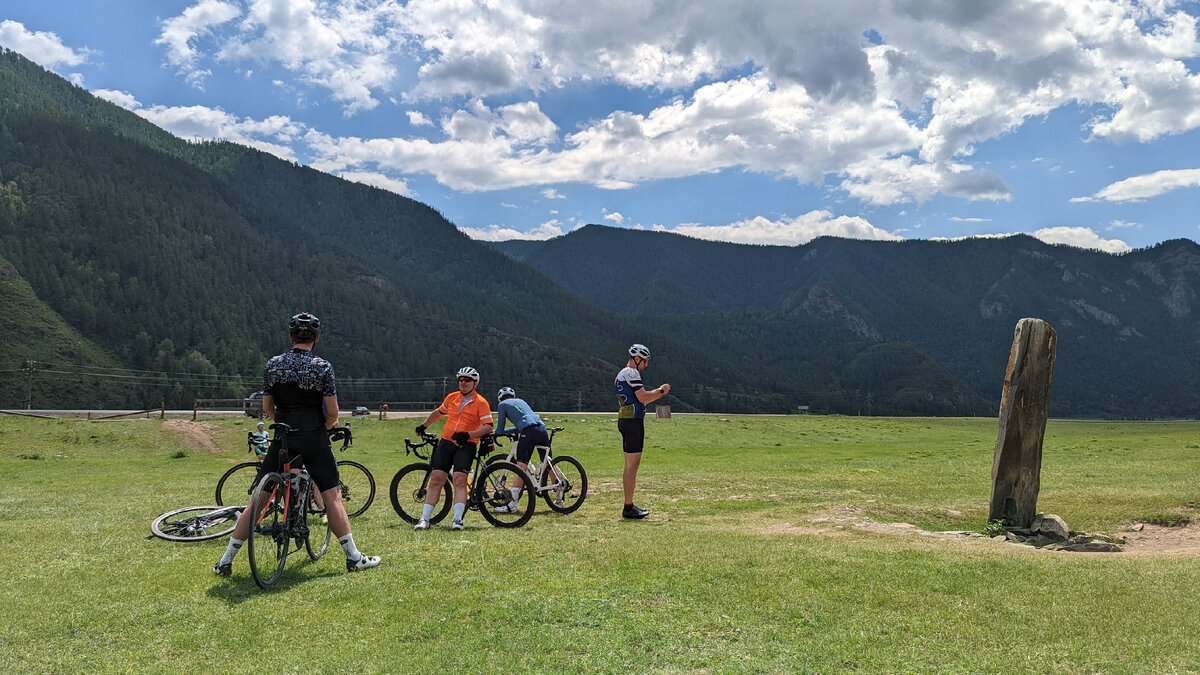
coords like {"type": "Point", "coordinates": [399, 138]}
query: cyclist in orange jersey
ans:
{"type": "Point", "coordinates": [468, 417]}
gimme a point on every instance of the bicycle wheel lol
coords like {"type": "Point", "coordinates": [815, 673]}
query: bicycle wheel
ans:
{"type": "Point", "coordinates": [493, 491]}
{"type": "Point", "coordinates": [409, 487]}
{"type": "Point", "coordinates": [317, 522]}
{"type": "Point", "coordinates": [358, 487]}
{"type": "Point", "coordinates": [196, 523]}
{"type": "Point", "coordinates": [567, 484]}
{"type": "Point", "coordinates": [269, 537]}
{"type": "Point", "coordinates": [235, 486]}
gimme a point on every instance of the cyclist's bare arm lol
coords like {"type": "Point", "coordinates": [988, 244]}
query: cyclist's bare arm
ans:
{"type": "Point", "coordinates": [268, 402]}
{"type": "Point", "coordinates": [331, 411]}
{"type": "Point", "coordinates": [650, 395]}
{"type": "Point", "coordinates": [433, 418]}
{"type": "Point", "coordinates": [483, 430]}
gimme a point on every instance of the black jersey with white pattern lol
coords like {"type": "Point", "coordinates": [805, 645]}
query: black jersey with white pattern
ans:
{"type": "Point", "coordinates": [297, 382]}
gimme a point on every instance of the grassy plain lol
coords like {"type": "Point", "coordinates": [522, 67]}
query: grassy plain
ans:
{"type": "Point", "coordinates": [751, 559]}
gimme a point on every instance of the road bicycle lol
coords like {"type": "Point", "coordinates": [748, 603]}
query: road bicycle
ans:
{"type": "Point", "coordinates": [484, 490]}
{"type": "Point", "coordinates": [285, 509]}
{"type": "Point", "coordinates": [196, 523]}
{"type": "Point", "coordinates": [357, 483]}
{"type": "Point", "coordinates": [561, 480]}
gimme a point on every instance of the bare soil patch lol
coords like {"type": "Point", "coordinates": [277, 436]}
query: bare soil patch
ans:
{"type": "Point", "coordinates": [1139, 539]}
{"type": "Point", "coordinates": [195, 435]}
{"type": "Point", "coordinates": [1147, 539]}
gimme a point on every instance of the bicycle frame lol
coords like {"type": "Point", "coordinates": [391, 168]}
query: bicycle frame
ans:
{"type": "Point", "coordinates": [431, 441]}
{"type": "Point", "coordinates": [539, 472]}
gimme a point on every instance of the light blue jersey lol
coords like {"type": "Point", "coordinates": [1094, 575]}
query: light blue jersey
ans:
{"type": "Point", "coordinates": [519, 412]}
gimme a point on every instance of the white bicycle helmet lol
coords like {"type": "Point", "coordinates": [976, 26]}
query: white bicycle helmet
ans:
{"type": "Point", "coordinates": [468, 371]}
{"type": "Point", "coordinates": [505, 392]}
{"type": "Point", "coordinates": [639, 351]}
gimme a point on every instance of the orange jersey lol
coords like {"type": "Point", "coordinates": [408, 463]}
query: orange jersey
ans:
{"type": "Point", "coordinates": [464, 416]}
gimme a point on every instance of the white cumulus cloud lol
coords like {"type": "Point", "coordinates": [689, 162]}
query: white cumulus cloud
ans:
{"type": "Point", "coordinates": [180, 33]}
{"type": "Point", "coordinates": [787, 231]}
{"type": "Point", "coordinates": [44, 48]}
{"type": "Point", "coordinates": [774, 87]}
{"type": "Point", "coordinates": [1081, 237]}
{"type": "Point", "coordinates": [378, 180]}
{"type": "Point", "coordinates": [547, 230]}
{"type": "Point", "coordinates": [1149, 185]}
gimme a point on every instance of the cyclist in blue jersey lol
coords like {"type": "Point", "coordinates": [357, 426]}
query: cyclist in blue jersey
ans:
{"type": "Point", "coordinates": [633, 397]}
{"type": "Point", "coordinates": [530, 429]}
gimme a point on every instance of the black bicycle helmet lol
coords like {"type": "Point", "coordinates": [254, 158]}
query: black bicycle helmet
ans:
{"type": "Point", "coordinates": [304, 324]}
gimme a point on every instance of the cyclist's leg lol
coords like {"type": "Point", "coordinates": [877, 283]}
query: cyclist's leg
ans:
{"type": "Point", "coordinates": [322, 468]}
{"type": "Point", "coordinates": [270, 464]}
{"type": "Point", "coordinates": [440, 462]}
{"type": "Point", "coordinates": [633, 438]}
{"type": "Point", "coordinates": [463, 456]}
{"type": "Point", "coordinates": [525, 445]}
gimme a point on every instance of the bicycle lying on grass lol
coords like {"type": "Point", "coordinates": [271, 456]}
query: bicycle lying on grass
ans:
{"type": "Point", "coordinates": [561, 480]}
{"type": "Point", "coordinates": [357, 483]}
{"type": "Point", "coordinates": [485, 493]}
{"type": "Point", "coordinates": [196, 523]}
{"type": "Point", "coordinates": [204, 523]}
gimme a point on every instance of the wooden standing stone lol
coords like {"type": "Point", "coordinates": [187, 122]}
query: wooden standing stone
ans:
{"type": "Point", "coordinates": [1017, 465]}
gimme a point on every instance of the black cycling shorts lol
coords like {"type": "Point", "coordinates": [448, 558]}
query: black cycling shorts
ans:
{"type": "Point", "coordinates": [308, 449]}
{"type": "Point", "coordinates": [633, 434]}
{"type": "Point", "coordinates": [532, 436]}
{"type": "Point", "coordinates": [448, 453]}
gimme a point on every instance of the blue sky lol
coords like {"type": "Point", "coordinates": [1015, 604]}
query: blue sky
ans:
{"type": "Point", "coordinates": [761, 122]}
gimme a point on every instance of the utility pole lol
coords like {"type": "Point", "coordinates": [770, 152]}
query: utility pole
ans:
{"type": "Point", "coordinates": [29, 385]}
{"type": "Point", "coordinates": [579, 404]}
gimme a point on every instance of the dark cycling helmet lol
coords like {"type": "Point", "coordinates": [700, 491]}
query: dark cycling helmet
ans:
{"type": "Point", "coordinates": [468, 371]}
{"type": "Point", "coordinates": [639, 351]}
{"type": "Point", "coordinates": [304, 323]}
{"type": "Point", "coordinates": [505, 392]}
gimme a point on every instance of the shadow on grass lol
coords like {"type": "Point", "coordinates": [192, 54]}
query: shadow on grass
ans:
{"type": "Point", "coordinates": [239, 588]}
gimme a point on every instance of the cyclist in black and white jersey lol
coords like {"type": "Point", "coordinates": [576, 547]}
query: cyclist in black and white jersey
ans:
{"type": "Point", "coordinates": [299, 391]}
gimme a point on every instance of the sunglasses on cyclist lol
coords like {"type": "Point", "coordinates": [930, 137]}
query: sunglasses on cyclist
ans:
{"type": "Point", "coordinates": [465, 379]}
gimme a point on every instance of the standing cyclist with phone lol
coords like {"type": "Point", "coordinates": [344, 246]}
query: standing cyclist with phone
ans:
{"type": "Point", "coordinates": [632, 396]}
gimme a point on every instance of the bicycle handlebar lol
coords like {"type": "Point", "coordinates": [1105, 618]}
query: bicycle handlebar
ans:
{"type": "Point", "coordinates": [426, 439]}
{"type": "Point", "coordinates": [341, 434]}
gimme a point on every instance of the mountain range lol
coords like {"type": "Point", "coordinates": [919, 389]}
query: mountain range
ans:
{"type": "Point", "coordinates": [137, 267]}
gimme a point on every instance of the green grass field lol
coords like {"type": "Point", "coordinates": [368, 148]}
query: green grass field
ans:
{"type": "Point", "coordinates": [749, 561]}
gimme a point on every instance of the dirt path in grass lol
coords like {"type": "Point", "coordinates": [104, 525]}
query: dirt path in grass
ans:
{"type": "Point", "coordinates": [1137, 539]}
{"type": "Point", "coordinates": [195, 435]}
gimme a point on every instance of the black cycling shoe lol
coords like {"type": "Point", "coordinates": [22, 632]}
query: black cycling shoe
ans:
{"type": "Point", "coordinates": [223, 570]}
{"type": "Point", "coordinates": [634, 513]}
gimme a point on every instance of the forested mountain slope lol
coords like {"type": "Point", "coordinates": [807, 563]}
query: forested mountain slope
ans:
{"type": "Point", "coordinates": [176, 257]}
{"type": "Point", "coordinates": [180, 262]}
{"type": "Point", "coordinates": [1129, 325]}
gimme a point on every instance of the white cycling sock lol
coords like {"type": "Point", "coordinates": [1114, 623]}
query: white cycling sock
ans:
{"type": "Point", "coordinates": [458, 511]}
{"type": "Point", "coordinates": [516, 492]}
{"type": "Point", "coordinates": [348, 546]}
{"type": "Point", "coordinates": [235, 545]}
{"type": "Point", "coordinates": [426, 511]}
